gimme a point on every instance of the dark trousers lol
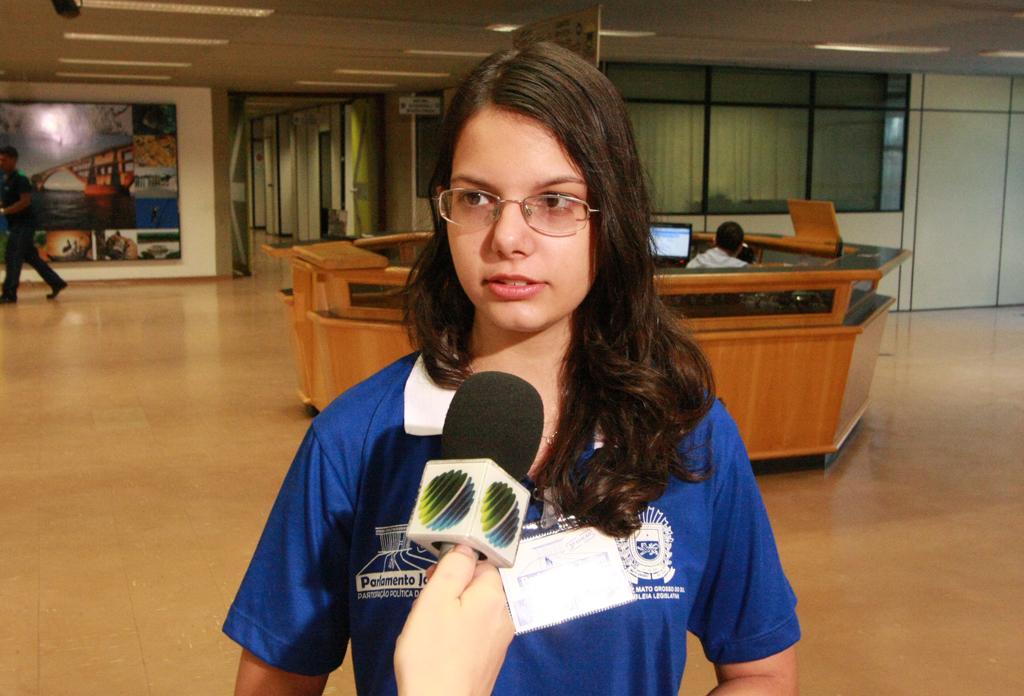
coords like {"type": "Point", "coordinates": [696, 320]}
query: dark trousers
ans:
{"type": "Point", "coordinates": [21, 249]}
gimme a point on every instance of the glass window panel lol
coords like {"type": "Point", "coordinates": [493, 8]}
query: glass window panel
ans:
{"type": "Point", "coordinates": [861, 89]}
{"type": "Point", "coordinates": [379, 296]}
{"type": "Point", "coordinates": [670, 140]}
{"type": "Point", "coordinates": [858, 159]}
{"type": "Point", "coordinates": [666, 82]}
{"type": "Point", "coordinates": [752, 304]}
{"type": "Point", "coordinates": [760, 86]}
{"type": "Point", "coordinates": [758, 159]}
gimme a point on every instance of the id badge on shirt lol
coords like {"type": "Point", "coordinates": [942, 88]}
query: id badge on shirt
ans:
{"type": "Point", "coordinates": [564, 573]}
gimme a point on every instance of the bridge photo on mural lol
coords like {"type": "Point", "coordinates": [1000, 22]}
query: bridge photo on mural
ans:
{"type": "Point", "coordinates": [104, 178]}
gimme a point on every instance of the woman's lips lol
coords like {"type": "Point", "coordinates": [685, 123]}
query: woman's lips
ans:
{"type": "Point", "coordinates": [513, 287]}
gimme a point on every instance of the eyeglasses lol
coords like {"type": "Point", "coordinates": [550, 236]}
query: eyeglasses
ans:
{"type": "Point", "coordinates": [552, 214]}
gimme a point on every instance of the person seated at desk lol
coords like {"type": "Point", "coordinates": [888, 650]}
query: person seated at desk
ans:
{"type": "Point", "coordinates": [728, 245]}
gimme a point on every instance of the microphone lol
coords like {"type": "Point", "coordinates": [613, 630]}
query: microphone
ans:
{"type": "Point", "coordinates": [472, 495]}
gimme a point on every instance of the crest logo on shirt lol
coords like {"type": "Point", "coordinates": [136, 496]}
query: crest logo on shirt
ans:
{"type": "Point", "coordinates": [647, 553]}
{"type": "Point", "coordinates": [398, 569]}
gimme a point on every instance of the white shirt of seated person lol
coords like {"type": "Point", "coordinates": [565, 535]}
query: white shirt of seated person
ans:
{"type": "Point", "coordinates": [715, 258]}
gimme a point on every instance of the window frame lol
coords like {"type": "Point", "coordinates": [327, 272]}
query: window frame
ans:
{"type": "Point", "coordinates": [810, 107]}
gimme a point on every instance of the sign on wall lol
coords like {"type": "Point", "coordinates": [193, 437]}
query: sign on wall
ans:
{"type": "Point", "coordinates": [104, 178]}
{"type": "Point", "coordinates": [580, 32]}
{"type": "Point", "coordinates": [419, 106]}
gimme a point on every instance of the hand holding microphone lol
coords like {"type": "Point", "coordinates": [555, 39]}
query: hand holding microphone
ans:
{"type": "Point", "coordinates": [455, 638]}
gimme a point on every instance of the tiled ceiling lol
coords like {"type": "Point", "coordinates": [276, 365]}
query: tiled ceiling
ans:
{"type": "Point", "coordinates": [306, 40]}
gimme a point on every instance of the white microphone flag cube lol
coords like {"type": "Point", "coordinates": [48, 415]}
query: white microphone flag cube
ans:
{"type": "Point", "coordinates": [473, 502]}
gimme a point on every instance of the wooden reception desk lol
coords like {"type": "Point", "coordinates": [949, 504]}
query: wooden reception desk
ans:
{"type": "Point", "coordinates": [792, 344]}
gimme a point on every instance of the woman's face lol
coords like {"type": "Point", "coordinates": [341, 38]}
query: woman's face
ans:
{"type": "Point", "coordinates": [520, 281]}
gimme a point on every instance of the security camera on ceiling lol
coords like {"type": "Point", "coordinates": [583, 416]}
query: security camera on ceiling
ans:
{"type": "Point", "coordinates": [68, 9]}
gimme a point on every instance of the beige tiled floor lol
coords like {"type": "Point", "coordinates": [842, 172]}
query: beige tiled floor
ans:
{"type": "Point", "coordinates": [145, 429]}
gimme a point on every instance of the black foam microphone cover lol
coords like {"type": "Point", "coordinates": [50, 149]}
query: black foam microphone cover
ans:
{"type": "Point", "coordinates": [495, 415]}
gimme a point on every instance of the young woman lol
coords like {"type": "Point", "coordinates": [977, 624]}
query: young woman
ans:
{"type": "Point", "coordinates": [540, 266]}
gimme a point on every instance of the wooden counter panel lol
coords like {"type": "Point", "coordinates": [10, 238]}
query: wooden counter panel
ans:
{"type": "Point", "coordinates": [302, 331]}
{"type": "Point", "coordinates": [339, 297]}
{"type": "Point", "coordinates": [340, 256]}
{"type": "Point", "coordinates": [288, 302]}
{"type": "Point", "coordinates": [348, 351]}
{"type": "Point", "coordinates": [395, 239]}
{"type": "Point", "coordinates": [783, 390]}
{"type": "Point", "coordinates": [777, 278]}
{"type": "Point", "coordinates": [276, 251]}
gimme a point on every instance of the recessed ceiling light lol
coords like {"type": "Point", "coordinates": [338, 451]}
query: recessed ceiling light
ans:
{"type": "Point", "coordinates": [503, 28]}
{"type": "Point", "coordinates": [328, 83]}
{"type": "Point", "coordinates": [457, 54]}
{"type": "Point", "coordinates": [136, 63]}
{"type": "Point", "coordinates": [625, 33]}
{"type": "Point", "coordinates": [130, 38]}
{"type": "Point", "coordinates": [1001, 54]}
{"type": "Point", "coordinates": [177, 7]}
{"type": "Point", "coordinates": [392, 73]}
{"type": "Point", "coordinates": [880, 48]}
{"type": "Point", "coordinates": [112, 76]}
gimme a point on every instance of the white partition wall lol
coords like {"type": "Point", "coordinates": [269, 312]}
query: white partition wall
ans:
{"type": "Point", "coordinates": [966, 93]}
{"type": "Point", "coordinates": [961, 192]}
{"type": "Point", "coordinates": [1011, 269]}
{"type": "Point", "coordinates": [959, 209]}
{"type": "Point", "coordinates": [876, 229]}
{"type": "Point", "coordinates": [272, 179]}
{"type": "Point", "coordinates": [287, 180]}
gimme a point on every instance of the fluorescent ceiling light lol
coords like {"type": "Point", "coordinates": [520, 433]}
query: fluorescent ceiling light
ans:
{"type": "Point", "coordinates": [1001, 54]}
{"type": "Point", "coordinates": [327, 83]}
{"type": "Point", "coordinates": [880, 48]}
{"type": "Point", "coordinates": [392, 73]}
{"type": "Point", "coordinates": [457, 54]}
{"type": "Point", "coordinates": [625, 33]}
{"type": "Point", "coordinates": [135, 63]}
{"type": "Point", "coordinates": [112, 76]}
{"type": "Point", "coordinates": [130, 38]}
{"type": "Point", "coordinates": [179, 7]}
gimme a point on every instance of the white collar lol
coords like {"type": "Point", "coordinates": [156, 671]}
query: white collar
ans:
{"type": "Point", "coordinates": [426, 403]}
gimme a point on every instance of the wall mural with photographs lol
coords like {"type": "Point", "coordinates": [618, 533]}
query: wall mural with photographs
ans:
{"type": "Point", "coordinates": [104, 177]}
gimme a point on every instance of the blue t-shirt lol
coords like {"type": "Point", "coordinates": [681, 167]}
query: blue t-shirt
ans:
{"type": "Point", "coordinates": [334, 564]}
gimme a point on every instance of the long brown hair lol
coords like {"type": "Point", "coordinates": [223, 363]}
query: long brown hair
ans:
{"type": "Point", "coordinates": [633, 375]}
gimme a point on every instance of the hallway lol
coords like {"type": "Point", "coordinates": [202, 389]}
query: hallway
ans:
{"type": "Point", "coordinates": [147, 427]}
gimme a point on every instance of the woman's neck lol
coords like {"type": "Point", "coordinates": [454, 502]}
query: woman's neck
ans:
{"type": "Point", "coordinates": [536, 358]}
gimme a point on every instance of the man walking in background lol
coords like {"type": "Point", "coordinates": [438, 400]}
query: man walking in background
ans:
{"type": "Point", "coordinates": [16, 206]}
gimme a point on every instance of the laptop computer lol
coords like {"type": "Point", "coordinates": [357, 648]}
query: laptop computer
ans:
{"type": "Point", "coordinates": [671, 242]}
